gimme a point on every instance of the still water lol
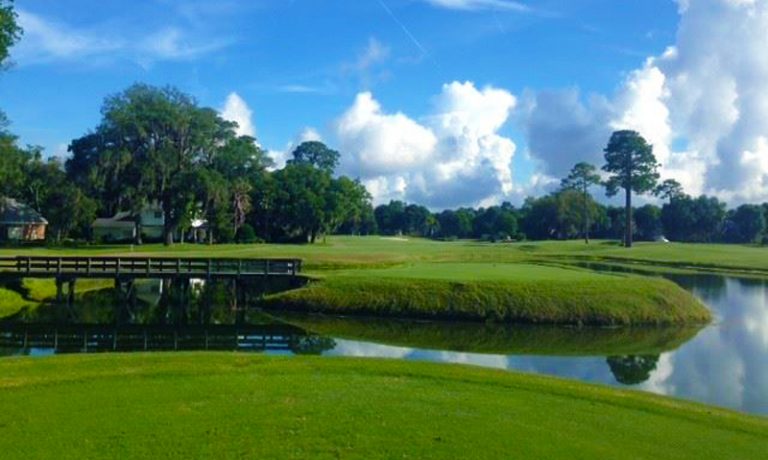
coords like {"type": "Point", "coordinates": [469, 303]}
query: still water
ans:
{"type": "Point", "coordinates": [725, 363]}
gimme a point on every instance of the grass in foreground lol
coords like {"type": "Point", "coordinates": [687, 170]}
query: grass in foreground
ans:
{"type": "Point", "coordinates": [246, 406]}
{"type": "Point", "coordinates": [513, 293]}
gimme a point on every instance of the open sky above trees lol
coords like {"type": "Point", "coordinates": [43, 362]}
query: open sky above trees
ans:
{"type": "Point", "coordinates": [481, 101]}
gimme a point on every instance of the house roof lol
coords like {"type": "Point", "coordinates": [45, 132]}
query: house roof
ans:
{"type": "Point", "coordinates": [14, 213]}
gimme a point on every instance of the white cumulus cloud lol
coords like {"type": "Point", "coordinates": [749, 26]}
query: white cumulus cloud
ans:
{"type": "Point", "coordinates": [452, 156]}
{"type": "Point", "coordinates": [237, 110]}
{"type": "Point", "coordinates": [702, 104]}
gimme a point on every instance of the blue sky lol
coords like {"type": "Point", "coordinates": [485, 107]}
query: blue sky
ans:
{"type": "Point", "coordinates": [298, 64]}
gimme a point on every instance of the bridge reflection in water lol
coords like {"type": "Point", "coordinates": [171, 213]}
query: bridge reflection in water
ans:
{"type": "Point", "coordinates": [158, 315]}
{"type": "Point", "coordinates": [84, 338]}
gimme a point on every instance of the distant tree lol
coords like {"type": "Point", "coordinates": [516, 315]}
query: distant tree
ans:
{"type": "Point", "coordinates": [13, 162]}
{"type": "Point", "coordinates": [390, 217]}
{"type": "Point", "coordinates": [693, 219]}
{"type": "Point", "coordinates": [670, 189]}
{"type": "Point", "coordinates": [748, 223]}
{"type": "Point", "coordinates": [495, 222]}
{"type": "Point", "coordinates": [540, 217]}
{"type": "Point", "coordinates": [301, 194]}
{"type": "Point", "coordinates": [455, 223]}
{"type": "Point", "coordinates": [69, 211]}
{"type": "Point", "coordinates": [10, 32]}
{"type": "Point", "coordinates": [633, 167]}
{"type": "Point", "coordinates": [348, 204]}
{"type": "Point", "coordinates": [417, 220]}
{"type": "Point", "coordinates": [316, 154]}
{"type": "Point", "coordinates": [648, 222]}
{"type": "Point", "coordinates": [581, 178]}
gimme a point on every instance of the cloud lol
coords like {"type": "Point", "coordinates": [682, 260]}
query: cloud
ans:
{"type": "Point", "coordinates": [474, 5]}
{"type": "Point", "coordinates": [452, 156]}
{"type": "Point", "coordinates": [47, 40]}
{"type": "Point", "coordinates": [235, 109]}
{"type": "Point", "coordinates": [174, 44]}
{"type": "Point", "coordinates": [702, 104]}
{"type": "Point", "coordinates": [368, 65]}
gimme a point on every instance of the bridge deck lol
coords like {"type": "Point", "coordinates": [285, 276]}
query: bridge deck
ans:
{"type": "Point", "coordinates": [144, 267]}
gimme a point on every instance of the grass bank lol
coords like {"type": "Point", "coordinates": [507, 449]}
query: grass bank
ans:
{"type": "Point", "coordinates": [30, 292]}
{"type": "Point", "coordinates": [511, 293]}
{"type": "Point", "coordinates": [246, 406]}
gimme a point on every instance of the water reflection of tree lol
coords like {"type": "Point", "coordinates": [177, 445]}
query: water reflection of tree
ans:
{"type": "Point", "coordinates": [311, 344]}
{"type": "Point", "coordinates": [632, 369]}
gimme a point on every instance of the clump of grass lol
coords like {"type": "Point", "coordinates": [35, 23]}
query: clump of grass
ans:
{"type": "Point", "coordinates": [593, 300]}
{"type": "Point", "coordinates": [45, 289]}
{"type": "Point", "coordinates": [11, 302]}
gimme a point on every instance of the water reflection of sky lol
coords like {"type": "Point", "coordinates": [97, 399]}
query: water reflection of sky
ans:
{"type": "Point", "coordinates": [726, 364]}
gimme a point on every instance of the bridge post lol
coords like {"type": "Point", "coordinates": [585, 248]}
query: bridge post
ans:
{"type": "Point", "coordinates": [71, 293]}
{"type": "Point", "coordinates": [59, 289]}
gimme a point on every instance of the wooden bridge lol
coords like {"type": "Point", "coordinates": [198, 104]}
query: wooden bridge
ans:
{"type": "Point", "coordinates": [68, 268]}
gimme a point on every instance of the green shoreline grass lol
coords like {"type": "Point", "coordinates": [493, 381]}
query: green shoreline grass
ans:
{"type": "Point", "coordinates": [508, 293]}
{"type": "Point", "coordinates": [199, 405]}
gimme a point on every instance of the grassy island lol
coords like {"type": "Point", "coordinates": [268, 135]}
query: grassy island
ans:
{"type": "Point", "coordinates": [512, 293]}
{"type": "Point", "coordinates": [201, 405]}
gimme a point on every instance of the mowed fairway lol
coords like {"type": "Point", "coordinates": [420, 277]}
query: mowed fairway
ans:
{"type": "Point", "coordinates": [375, 251]}
{"type": "Point", "coordinates": [246, 406]}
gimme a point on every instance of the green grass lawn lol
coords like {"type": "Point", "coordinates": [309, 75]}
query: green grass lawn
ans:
{"type": "Point", "coordinates": [512, 293]}
{"type": "Point", "coordinates": [247, 406]}
{"type": "Point", "coordinates": [375, 251]}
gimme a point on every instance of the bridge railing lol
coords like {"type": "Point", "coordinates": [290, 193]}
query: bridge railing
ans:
{"type": "Point", "coordinates": [147, 266]}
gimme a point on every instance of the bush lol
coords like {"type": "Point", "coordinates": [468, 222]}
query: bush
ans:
{"type": "Point", "coordinates": [246, 235]}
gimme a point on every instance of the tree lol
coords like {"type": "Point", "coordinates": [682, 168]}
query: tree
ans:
{"type": "Point", "coordinates": [633, 167]}
{"type": "Point", "coordinates": [693, 219]}
{"type": "Point", "coordinates": [670, 189]}
{"type": "Point", "coordinates": [146, 149]}
{"type": "Point", "coordinates": [10, 32]}
{"type": "Point", "coordinates": [301, 194]}
{"type": "Point", "coordinates": [648, 222]}
{"type": "Point", "coordinates": [13, 161]}
{"type": "Point", "coordinates": [748, 222]}
{"type": "Point", "coordinates": [317, 154]}
{"type": "Point", "coordinates": [390, 218]}
{"type": "Point", "coordinates": [582, 176]}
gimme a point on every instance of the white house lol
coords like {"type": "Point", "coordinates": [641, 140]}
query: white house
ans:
{"type": "Point", "coordinates": [122, 226]}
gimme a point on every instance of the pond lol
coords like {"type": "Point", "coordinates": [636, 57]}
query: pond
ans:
{"type": "Point", "coordinates": [725, 363]}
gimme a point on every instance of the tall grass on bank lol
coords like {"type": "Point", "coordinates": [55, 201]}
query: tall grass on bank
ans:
{"type": "Point", "coordinates": [600, 300]}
